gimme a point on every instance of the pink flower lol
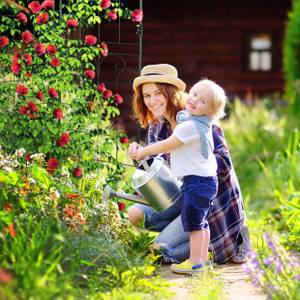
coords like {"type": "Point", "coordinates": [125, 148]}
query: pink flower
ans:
{"type": "Point", "coordinates": [90, 74]}
{"type": "Point", "coordinates": [32, 115]}
{"type": "Point", "coordinates": [63, 140]}
{"type": "Point", "coordinates": [28, 74]}
{"type": "Point", "coordinates": [101, 87]}
{"type": "Point", "coordinates": [48, 4]}
{"type": "Point", "coordinates": [54, 62]}
{"type": "Point", "coordinates": [137, 15]}
{"type": "Point", "coordinates": [77, 172]}
{"type": "Point", "coordinates": [104, 49]}
{"type": "Point", "coordinates": [40, 49]}
{"type": "Point", "coordinates": [23, 110]}
{"type": "Point", "coordinates": [72, 23]}
{"type": "Point", "coordinates": [3, 41]}
{"type": "Point", "coordinates": [5, 276]}
{"type": "Point", "coordinates": [58, 114]}
{"type": "Point", "coordinates": [31, 106]}
{"type": "Point", "coordinates": [28, 59]}
{"type": "Point", "coordinates": [51, 49]}
{"type": "Point", "coordinates": [21, 89]}
{"type": "Point", "coordinates": [90, 40]}
{"type": "Point", "coordinates": [105, 4]}
{"type": "Point", "coordinates": [112, 15]}
{"type": "Point", "coordinates": [107, 94]}
{"type": "Point", "coordinates": [118, 99]}
{"type": "Point", "coordinates": [16, 68]}
{"type": "Point", "coordinates": [22, 18]}
{"type": "Point", "coordinates": [27, 37]}
{"type": "Point", "coordinates": [35, 7]}
{"type": "Point", "coordinates": [121, 206]}
{"type": "Point", "coordinates": [42, 18]}
{"type": "Point", "coordinates": [40, 95]}
{"type": "Point", "coordinates": [52, 93]}
{"type": "Point", "coordinates": [124, 140]}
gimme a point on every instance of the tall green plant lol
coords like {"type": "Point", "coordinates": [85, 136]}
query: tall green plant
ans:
{"type": "Point", "coordinates": [291, 51]}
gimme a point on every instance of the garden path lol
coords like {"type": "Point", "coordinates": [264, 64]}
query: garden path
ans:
{"type": "Point", "coordinates": [237, 284]}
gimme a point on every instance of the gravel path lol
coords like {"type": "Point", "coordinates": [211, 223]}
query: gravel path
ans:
{"type": "Point", "coordinates": [236, 282]}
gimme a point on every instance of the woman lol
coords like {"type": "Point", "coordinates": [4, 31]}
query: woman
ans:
{"type": "Point", "coordinates": [158, 96]}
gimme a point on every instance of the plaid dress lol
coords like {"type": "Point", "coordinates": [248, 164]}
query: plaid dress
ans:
{"type": "Point", "coordinates": [227, 216]}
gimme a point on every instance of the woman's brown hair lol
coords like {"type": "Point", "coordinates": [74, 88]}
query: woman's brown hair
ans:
{"type": "Point", "coordinates": [175, 103]}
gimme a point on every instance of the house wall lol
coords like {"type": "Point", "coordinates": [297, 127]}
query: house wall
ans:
{"type": "Point", "coordinates": [205, 39]}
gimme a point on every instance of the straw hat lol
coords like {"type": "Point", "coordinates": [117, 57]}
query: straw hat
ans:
{"type": "Point", "coordinates": [162, 73]}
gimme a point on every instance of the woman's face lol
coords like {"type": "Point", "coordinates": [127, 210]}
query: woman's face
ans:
{"type": "Point", "coordinates": [154, 99]}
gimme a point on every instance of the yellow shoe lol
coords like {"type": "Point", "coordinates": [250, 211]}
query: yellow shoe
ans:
{"type": "Point", "coordinates": [187, 267]}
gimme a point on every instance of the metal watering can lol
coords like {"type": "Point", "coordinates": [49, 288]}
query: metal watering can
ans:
{"type": "Point", "coordinates": [154, 182]}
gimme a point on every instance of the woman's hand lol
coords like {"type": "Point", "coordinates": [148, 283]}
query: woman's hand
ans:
{"type": "Point", "coordinates": [132, 150]}
{"type": "Point", "coordinates": [140, 153]}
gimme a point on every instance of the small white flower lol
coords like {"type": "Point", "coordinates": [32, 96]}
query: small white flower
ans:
{"type": "Point", "coordinates": [20, 152]}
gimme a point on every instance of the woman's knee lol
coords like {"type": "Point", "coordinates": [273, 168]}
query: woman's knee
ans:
{"type": "Point", "coordinates": [135, 215]}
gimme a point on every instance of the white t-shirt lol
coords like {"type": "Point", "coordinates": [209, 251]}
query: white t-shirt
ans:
{"type": "Point", "coordinates": [187, 158]}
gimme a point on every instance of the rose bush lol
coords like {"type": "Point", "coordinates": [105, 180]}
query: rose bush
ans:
{"type": "Point", "coordinates": [50, 100]}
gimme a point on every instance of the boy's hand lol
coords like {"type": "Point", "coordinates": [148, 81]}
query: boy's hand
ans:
{"type": "Point", "coordinates": [140, 153]}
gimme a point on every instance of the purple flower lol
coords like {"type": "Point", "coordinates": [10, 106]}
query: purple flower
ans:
{"type": "Point", "coordinates": [269, 260]}
{"type": "Point", "coordinates": [279, 265]}
{"type": "Point", "coordinates": [270, 242]}
{"type": "Point", "coordinates": [297, 277]}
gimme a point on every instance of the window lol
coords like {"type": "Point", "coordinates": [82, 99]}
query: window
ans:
{"type": "Point", "coordinates": [260, 53]}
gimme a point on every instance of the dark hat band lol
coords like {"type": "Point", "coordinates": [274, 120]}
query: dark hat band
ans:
{"type": "Point", "coordinates": [149, 74]}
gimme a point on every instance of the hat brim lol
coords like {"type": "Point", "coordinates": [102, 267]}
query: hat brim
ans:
{"type": "Point", "coordinates": [160, 79]}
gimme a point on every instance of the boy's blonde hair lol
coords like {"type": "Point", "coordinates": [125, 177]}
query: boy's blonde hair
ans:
{"type": "Point", "coordinates": [218, 99]}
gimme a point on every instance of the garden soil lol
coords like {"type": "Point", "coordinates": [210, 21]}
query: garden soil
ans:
{"type": "Point", "coordinates": [236, 283]}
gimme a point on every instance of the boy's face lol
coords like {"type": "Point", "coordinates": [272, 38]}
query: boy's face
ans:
{"type": "Point", "coordinates": [199, 99]}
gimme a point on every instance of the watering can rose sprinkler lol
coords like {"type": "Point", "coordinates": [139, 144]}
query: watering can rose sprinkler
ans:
{"type": "Point", "coordinates": [154, 182]}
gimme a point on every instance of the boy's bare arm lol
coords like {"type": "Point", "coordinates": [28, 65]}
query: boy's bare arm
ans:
{"type": "Point", "coordinates": [164, 146]}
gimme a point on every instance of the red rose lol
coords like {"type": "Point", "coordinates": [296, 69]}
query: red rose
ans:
{"type": "Point", "coordinates": [48, 4]}
{"type": "Point", "coordinates": [107, 94]}
{"type": "Point", "coordinates": [5, 276]}
{"type": "Point", "coordinates": [52, 92]}
{"type": "Point", "coordinates": [28, 74]}
{"type": "Point", "coordinates": [32, 115]}
{"type": "Point", "coordinates": [53, 164]}
{"type": "Point", "coordinates": [90, 40]}
{"type": "Point", "coordinates": [54, 62]}
{"type": "Point", "coordinates": [40, 49]}
{"type": "Point", "coordinates": [124, 140]}
{"type": "Point", "coordinates": [118, 99]}
{"type": "Point", "coordinates": [42, 18]}
{"type": "Point", "coordinates": [28, 59]}
{"type": "Point", "coordinates": [77, 172]}
{"type": "Point", "coordinates": [35, 7]}
{"type": "Point", "coordinates": [58, 114]}
{"type": "Point", "coordinates": [90, 74]}
{"type": "Point", "coordinates": [112, 15]}
{"type": "Point", "coordinates": [3, 41]}
{"type": "Point", "coordinates": [137, 15]}
{"type": "Point", "coordinates": [27, 157]}
{"type": "Point", "coordinates": [23, 110]}
{"type": "Point", "coordinates": [72, 23]}
{"type": "Point", "coordinates": [21, 89]}
{"type": "Point", "coordinates": [31, 106]}
{"type": "Point", "coordinates": [121, 206]}
{"type": "Point", "coordinates": [27, 37]}
{"type": "Point", "coordinates": [40, 95]}
{"type": "Point", "coordinates": [104, 49]}
{"type": "Point", "coordinates": [101, 87]}
{"type": "Point", "coordinates": [22, 18]}
{"type": "Point", "coordinates": [63, 140]}
{"type": "Point", "coordinates": [90, 106]}
{"type": "Point", "coordinates": [51, 49]}
{"type": "Point", "coordinates": [16, 57]}
{"type": "Point", "coordinates": [16, 68]}
{"type": "Point", "coordinates": [105, 4]}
